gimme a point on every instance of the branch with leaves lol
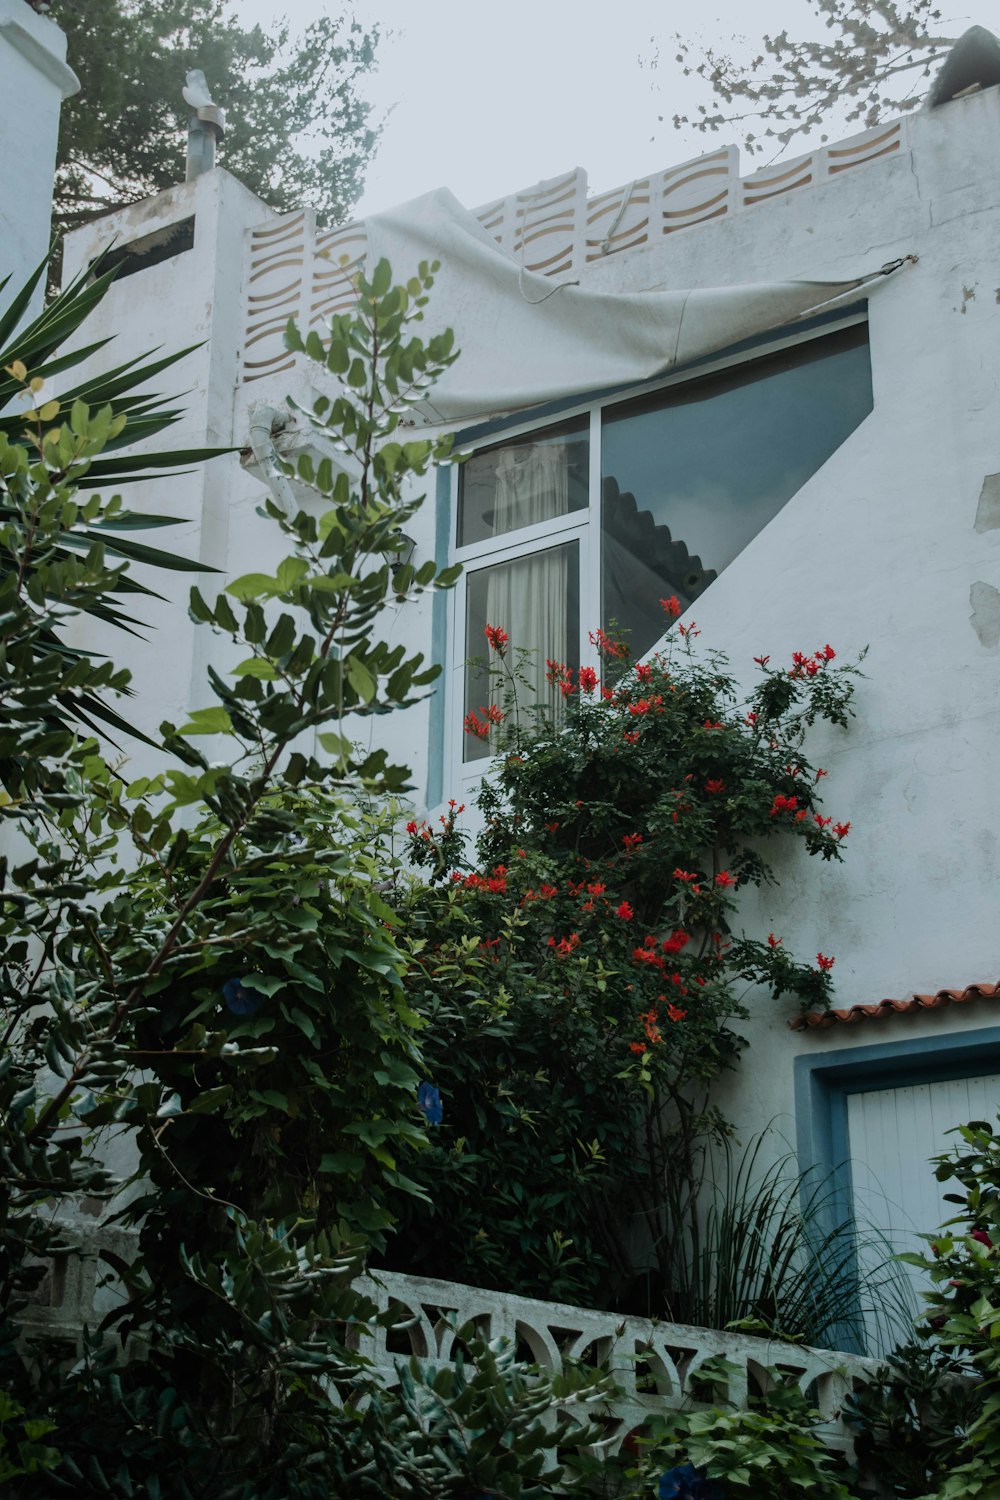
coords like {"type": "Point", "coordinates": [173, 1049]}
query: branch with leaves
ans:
{"type": "Point", "coordinates": [876, 61]}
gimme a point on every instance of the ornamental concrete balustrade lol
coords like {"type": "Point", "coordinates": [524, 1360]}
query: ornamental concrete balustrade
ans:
{"type": "Point", "coordinates": [553, 228]}
{"type": "Point", "coordinates": [656, 1366]}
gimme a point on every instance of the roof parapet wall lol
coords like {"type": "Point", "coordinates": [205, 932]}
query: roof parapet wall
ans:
{"type": "Point", "coordinates": [553, 228]}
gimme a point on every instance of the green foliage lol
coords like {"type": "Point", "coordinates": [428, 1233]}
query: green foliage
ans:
{"type": "Point", "coordinates": [483, 1425]}
{"type": "Point", "coordinates": [54, 538]}
{"type": "Point", "coordinates": [910, 1420]}
{"type": "Point", "coordinates": [771, 1451]}
{"type": "Point", "coordinates": [22, 1450]}
{"type": "Point", "coordinates": [203, 960]}
{"type": "Point", "coordinates": [964, 1309]}
{"type": "Point", "coordinates": [766, 1250]}
{"type": "Point", "coordinates": [579, 985]}
{"type": "Point", "coordinates": [296, 129]}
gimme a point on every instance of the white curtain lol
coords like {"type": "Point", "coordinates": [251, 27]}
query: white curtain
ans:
{"type": "Point", "coordinates": [529, 597]}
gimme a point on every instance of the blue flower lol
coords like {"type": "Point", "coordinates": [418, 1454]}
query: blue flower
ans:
{"type": "Point", "coordinates": [241, 998]}
{"type": "Point", "coordinates": [688, 1483]}
{"type": "Point", "coordinates": [429, 1104]}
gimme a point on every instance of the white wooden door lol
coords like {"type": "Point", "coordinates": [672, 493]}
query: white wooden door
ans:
{"type": "Point", "coordinates": [892, 1134]}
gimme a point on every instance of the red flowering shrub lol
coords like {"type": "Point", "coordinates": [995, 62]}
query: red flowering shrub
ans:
{"type": "Point", "coordinates": [574, 1056]}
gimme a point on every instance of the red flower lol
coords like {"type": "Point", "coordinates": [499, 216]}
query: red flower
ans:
{"type": "Point", "coordinates": [630, 840]}
{"type": "Point", "coordinates": [826, 652]}
{"type": "Point", "coordinates": [688, 630]}
{"type": "Point", "coordinates": [841, 830]}
{"type": "Point", "coordinates": [982, 1237]}
{"type": "Point", "coordinates": [782, 803]}
{"type": "Point", "coordinates": [475, 726]}
{"type": "Point", "coordinates": [564, 947]}
{"type": "Point", "coordinates": [762, 661]}
{"type": "Point", "coordinates": [826, 964]}
{"type": "Point", "coordinates": [631, 735]}
{"type": "Point", "coordinates": [675, 1013]}
{"type": "Point", "coordinates": [557, 671]}
{"type": "Point", "coordinates": [715, 785]}
{"type": "Point", "coordinates": [597, 888]}
{"type": "Point", "coordinates": [724, 878]}
{"type": "Point", "coordinates": [588, 679]}
{"type": "Point", "coordinates": [605, 645]}
{"type": "Point", "coordinates": [643, 672]}
{"type": "Point", "coordinates": [566, 687]}
{"type": "Point", "coordinates": [772, 941]}
{"type": "Point", "coordinates": [494, 714]}
{"type": "Point", "coordinates": [546, 892]}
{"type": "Point", "coordinates": [751, 719]}
{"type": "Point", "coordinates": [637, 1046]}
{"type": "Point", "coordinates": [497, 639]}
{"type": "Point", "coordinates": [671, 606]}
{"type": "Point", "coordinates": [820, 821]}
{"type": "Point", "coordinates": [676, 941]}
{"type": "Point", "coordinates": [708, 724]}
{"type": "Point", "coordinates": [552, 827]}
{"type": "Point", "coordinates": [411, 827]}
{"type": "Point", "coordinates": [820, 773]}
{"type": "Point", "coordinates": [687, 875]}
{"type": "Point", "coordinates": [624, 911]}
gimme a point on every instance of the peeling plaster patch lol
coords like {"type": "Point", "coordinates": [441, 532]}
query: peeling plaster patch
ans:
{"type": "Point", "coordinates": [968, 295]}
{"type": "Point", "coordinates": [988, 511]}
{"type": "Point", "coordinates": [998, 294]}
{"type": "Point", "coordinates": [985, 617]}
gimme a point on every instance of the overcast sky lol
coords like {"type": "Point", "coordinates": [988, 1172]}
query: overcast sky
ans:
{"type": "Point", "coordinates": [486, 98]}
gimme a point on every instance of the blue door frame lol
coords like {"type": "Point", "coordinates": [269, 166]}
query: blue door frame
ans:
{"type": "Point", "coordinates": [823, 1081]}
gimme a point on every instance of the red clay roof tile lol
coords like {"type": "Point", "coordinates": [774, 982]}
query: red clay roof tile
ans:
{"type": "Point", "coordinates": [820, 1020]}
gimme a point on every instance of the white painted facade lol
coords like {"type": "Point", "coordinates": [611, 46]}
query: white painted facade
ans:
{"type": "Point", "coordinates": [894, 544]}
{"type": "Point", "coordinates": [35, 80]}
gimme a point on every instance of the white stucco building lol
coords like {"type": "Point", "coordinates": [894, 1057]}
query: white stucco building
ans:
{"type": "Point", "coordinates": [831, 478]}
{"type": "Point", "coordinates": [36, 79]}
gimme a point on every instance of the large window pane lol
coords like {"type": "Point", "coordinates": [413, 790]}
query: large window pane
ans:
{"type": "Point", "coordinates": [536, 600]}
{"type": "Point", "coordinates": [690, 476]}
{"type": "Point", "coordinates": [535, 478]}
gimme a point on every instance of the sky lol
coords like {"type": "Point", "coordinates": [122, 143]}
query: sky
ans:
{"type": "Point", "coordinates": [489, 98]}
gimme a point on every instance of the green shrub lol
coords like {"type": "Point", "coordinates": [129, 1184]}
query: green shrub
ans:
{"type": "Point", "coordinates": [580, 982]}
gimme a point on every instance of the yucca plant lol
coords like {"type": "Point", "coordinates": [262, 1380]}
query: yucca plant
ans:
{"type": "Point", "coordinates": [36, 388]}
{"type": "Point", "coordinates": [766, 1249]}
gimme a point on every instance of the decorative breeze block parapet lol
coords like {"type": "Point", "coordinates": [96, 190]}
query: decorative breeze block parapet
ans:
{"type": "Point", "coordinates": [553, 228]}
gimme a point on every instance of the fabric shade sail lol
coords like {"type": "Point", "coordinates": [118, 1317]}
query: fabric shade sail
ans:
{"type": "Point", "coordinates": [525, 340]}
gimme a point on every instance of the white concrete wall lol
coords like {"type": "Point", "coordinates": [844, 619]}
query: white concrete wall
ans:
{"type": "Point", "coordinates": [34, 80]}
{"type": "Point", "coordinates": [193, 297]}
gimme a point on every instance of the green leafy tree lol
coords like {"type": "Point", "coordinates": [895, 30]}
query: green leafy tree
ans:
{"type": "Point", "coordinates": [203, 958]}
{"type": "Point", "coordinates": [876, 58]}
{"type": "Point", "coordinates": [297, 131]}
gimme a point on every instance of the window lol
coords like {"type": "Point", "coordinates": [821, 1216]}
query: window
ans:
{"type": "Point", "coordinates": [594, 520]}
{"type": "Point", "coordinates": [149, 250]}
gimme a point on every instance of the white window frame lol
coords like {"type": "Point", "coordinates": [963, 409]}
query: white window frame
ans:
{"type": "Point", "coordinates": [584, 524]}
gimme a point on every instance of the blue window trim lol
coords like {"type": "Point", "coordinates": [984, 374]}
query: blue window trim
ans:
{"type": "Point", "coordinates": [439, 642]}
{"type": "Point", "coordinates": [824, 1080]}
